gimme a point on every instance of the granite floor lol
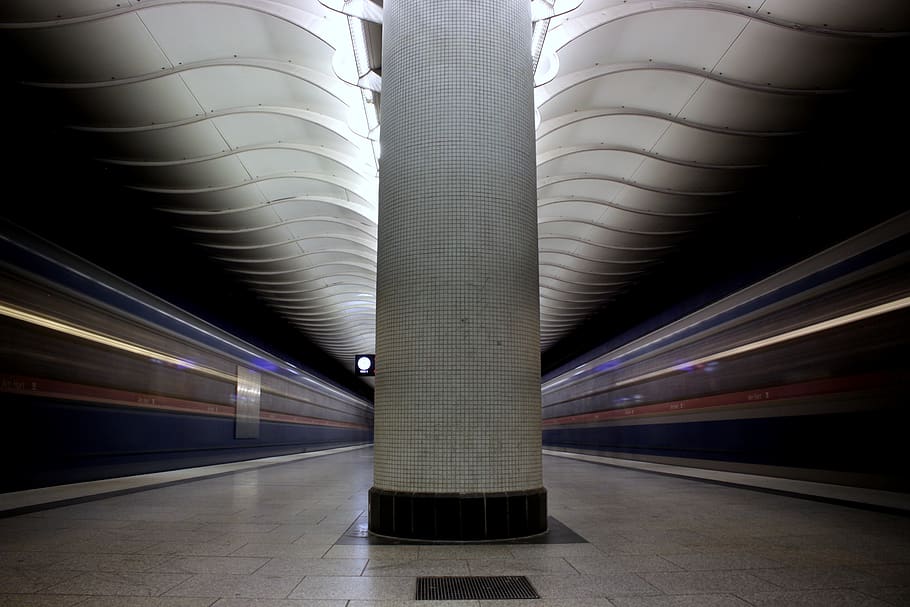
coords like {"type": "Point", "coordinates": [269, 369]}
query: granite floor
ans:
{"type": "Point", "coordinates": [270, 537]}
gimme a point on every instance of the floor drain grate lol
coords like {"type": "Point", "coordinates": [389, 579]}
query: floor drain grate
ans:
{"type": "Point", "coordinates": [475, 588]}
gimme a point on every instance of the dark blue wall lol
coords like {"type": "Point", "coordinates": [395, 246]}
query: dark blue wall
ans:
{"type": "Point", "coordinates": [49, 442]}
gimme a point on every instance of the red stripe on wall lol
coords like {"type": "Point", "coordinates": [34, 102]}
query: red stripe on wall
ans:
{"type": "Point", "coordinates": [751, 397]}
{"type": "Point", "coordinates": [50, 388]}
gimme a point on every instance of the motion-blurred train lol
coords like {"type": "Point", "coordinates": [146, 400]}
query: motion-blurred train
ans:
{"type": "Point", "coordinates": [803, 375]}
{"type": "Point", "coordinates": [99, 379]}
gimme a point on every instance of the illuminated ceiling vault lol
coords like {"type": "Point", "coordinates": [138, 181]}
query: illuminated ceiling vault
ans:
{"type": "Point", "coordinates": [254, 123]}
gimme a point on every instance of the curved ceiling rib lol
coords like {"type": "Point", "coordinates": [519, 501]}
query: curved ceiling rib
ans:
{"type": "Point", "coordinates": [229, 115]}
{"type": "Point", "coordinates": [236, 120]}
{"type": "Point", "coordinates": [660, 113]}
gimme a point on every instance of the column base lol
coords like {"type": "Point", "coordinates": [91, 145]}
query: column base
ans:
{"type": "Point", "coordinates": [459, 517]}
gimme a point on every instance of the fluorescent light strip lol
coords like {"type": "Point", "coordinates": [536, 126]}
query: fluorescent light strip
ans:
{"type": "Point", "coordinates": [369, 104]}
{"type": "Point", "coordinates": [537, 37]}
{"type": "Point", "coordinates": [361, 56]}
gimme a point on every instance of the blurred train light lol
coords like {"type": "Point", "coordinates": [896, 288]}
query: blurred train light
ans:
{"type": "Point", "coordinates": [839, 321]}
{"type": "Point", "coordinates": [832, 323]}
{"type": "Point", "coordinates": [106, 340]}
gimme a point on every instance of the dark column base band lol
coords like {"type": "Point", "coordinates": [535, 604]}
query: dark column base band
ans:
{"type": "Point", "coordinates": [470, 517]}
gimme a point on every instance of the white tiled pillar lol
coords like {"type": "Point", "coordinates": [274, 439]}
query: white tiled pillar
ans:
{"type": "Point", "coordinates": [457, 433]}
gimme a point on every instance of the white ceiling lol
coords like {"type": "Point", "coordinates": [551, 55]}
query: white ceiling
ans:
{"type": "Point", "coordinates": [238, 116]}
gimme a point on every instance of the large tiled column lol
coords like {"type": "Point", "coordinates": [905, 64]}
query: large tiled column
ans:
{"type": "Point", "coordinates": [458, 355]}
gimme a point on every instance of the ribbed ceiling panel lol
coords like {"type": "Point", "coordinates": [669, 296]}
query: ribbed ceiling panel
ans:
{"type": "Point", "coordinates": [654, 116]}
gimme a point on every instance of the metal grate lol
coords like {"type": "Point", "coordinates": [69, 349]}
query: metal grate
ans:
{"type": "Point", "coordinates": [475, 588]}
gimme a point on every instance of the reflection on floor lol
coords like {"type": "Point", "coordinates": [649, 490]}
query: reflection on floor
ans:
{"type": "Point", "coordinates": [274, 537]}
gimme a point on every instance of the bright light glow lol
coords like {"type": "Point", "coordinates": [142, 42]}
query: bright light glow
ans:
{"type": "Point", "coordinates": [363, 363]}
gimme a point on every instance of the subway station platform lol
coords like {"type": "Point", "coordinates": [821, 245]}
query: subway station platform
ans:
{"type": "Point", "coordinates": [289, 533]}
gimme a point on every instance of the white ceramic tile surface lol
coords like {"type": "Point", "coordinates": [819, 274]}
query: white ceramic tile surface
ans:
{"type": "Point", "coordinates": [457, 367]}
